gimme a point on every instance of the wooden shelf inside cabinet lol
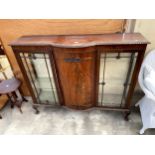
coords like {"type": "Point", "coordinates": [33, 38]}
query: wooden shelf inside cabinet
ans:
{"type": "Point", "coordinates": [83, 71]}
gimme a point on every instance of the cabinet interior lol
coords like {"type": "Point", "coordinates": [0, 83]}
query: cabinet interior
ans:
{"type": "Point", "coordinates": [115, 78]}
{"type": "Point", "coordinates": [39, 72]}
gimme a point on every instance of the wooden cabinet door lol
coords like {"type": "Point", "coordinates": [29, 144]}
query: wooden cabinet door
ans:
{"type": "Point", "coordinates": [76, 71]}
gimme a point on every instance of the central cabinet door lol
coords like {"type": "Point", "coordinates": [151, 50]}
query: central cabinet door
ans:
{"type": "Point", "coordinates": [76, 70]}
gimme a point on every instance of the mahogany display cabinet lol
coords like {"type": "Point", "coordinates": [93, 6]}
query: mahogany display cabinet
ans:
{"type": "Point", "coordinates": [81, 71]}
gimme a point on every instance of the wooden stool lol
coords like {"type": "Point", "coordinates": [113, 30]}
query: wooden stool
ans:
{"type": "Point", "coordinates": [9, 87]}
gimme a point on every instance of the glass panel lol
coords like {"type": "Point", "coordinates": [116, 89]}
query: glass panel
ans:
{"type": "Point", "coordinates": [114, 79]}
{"type": "Point", "coordinates": [40, 74]}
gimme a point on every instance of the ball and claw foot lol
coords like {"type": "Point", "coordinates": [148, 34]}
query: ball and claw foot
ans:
{"type": "Point", "coordinates": [126, 117]}
{"type": "Point", "coordinates": [36, 110]}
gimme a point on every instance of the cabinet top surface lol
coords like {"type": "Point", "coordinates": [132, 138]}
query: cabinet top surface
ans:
{"type": "Point", "coordinates": [75, 41]}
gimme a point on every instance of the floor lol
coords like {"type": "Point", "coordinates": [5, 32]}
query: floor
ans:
{"type": "Point", "coordinates": [67, 121]}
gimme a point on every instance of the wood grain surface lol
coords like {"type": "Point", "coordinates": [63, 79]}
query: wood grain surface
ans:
{"type": "Point", "coordinates": [77, 41]}
{"type": "Point", "coordinates": [76, 71]}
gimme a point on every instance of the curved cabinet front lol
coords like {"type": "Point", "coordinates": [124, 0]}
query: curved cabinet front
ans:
{"type": "Point", "coordinates": [81, 71]}
{"type": "Point", "coordinates": [76, 71]}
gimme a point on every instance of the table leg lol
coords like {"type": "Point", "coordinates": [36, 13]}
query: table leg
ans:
{"type": "Point", "coordinates": [15, 94]}
{"type": "Point", "coordinates": [12, 105]}
{"type": "Point", "coordinates": [15, 102]}
{"type": "Point", "coordinates": [23, 98]}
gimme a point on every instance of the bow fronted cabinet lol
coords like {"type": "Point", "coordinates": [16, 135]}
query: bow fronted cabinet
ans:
{"type": "Point", "coordinates": [81, 71]}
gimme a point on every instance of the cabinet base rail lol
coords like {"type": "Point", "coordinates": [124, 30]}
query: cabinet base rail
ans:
{"type": "Point", "coordinates": [96, 107]}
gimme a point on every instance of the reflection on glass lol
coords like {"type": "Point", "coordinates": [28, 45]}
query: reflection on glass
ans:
{"type": "Point", "coordinates": [114, 78]}
{"type": "Point", "coordinates": [38, 69]}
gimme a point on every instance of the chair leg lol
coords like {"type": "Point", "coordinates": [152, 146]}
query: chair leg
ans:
{"type": "Point", "coordinates": [11, 102]}
{"type": "Point", "coordinates": [142, 131]}
{"type": "Point", "coordinates": [137, 104]}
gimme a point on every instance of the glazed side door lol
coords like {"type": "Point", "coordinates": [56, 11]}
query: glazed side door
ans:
{"type": "Point", "coordinates": [38, 68]}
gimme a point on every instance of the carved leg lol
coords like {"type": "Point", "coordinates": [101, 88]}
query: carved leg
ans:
{"type": "Point", "coordinates": [1, 116]}
{"type": "Point", "coordinates": [126, 117]}
{"type": "Point", "coordinates": [36, 109]}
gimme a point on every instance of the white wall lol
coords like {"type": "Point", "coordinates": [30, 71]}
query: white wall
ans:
{"type": "Point", "coordinates": [147, 28]}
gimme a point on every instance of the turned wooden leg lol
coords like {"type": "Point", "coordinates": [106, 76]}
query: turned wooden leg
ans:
{"type": "Point", "coordinates": [19, 94]}
{"type": "Point", "coordinates": [11, 102]}
{"type": "Point", "coordinates": [14, 93]}
{"type": "Point", "coordinates": [126, 117]}
{"type": "Point", "coordinates": [36, 109]}
{"type": "Point", "coordinates": [1, 116]}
